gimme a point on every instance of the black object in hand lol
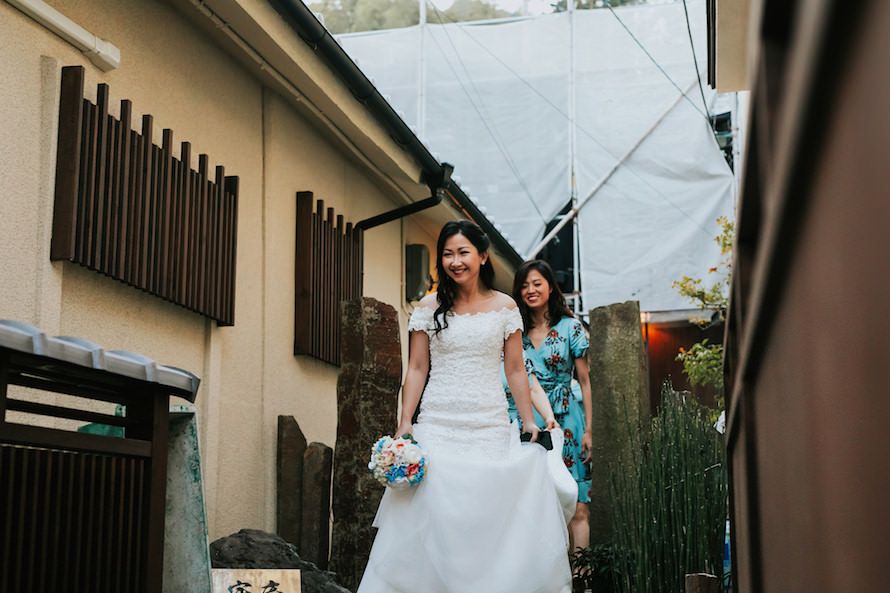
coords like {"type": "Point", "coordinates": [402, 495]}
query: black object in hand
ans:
{"type": "Point", "coordinates": [543, 439]}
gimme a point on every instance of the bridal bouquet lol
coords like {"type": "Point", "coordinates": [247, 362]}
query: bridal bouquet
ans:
{"type": "Point", "coordinates": [397, 463]}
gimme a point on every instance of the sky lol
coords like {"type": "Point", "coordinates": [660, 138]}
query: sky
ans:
{"type": "Point", "coordinates": [534, 6]}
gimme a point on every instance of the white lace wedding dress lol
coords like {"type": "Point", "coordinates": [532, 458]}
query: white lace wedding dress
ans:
{"type": "Point", "coordinates": [491, 514]}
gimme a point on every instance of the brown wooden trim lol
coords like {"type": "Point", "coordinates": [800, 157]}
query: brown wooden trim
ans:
{"type": "Point", "coordinates": [67, 163]}
{"type": "Point", "coordinates": [156, 494]}
{"type": "Point", "coordinates": [21, 434]}
{"type": "Point", "coordinates": [303, 265]}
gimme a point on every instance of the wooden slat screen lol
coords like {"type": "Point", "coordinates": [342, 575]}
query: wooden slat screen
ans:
{"type": "Point", "coordinates": [130, 209]}
{"type": "Point", "coordinates": [74, 521]}
{"type": "Point", "coordinates": [328, 270]}
{"type": "Point", "coordinates": [81, 512]}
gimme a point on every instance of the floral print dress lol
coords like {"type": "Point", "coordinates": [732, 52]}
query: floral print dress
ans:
{"type": "Point", "coordinates": [553, 363]}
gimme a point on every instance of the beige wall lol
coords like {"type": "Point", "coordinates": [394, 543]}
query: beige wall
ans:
{"type": "Point", "coordinates": [171, 69]}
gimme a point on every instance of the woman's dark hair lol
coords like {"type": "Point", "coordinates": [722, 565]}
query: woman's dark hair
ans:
{"type": "Point", "coordinates": [447, 288]}
{"type": "Point", "coordinates": [556, 304]}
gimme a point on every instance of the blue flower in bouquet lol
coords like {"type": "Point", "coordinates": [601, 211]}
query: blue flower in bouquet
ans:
{"type": "Point", "coordinates": [397, 462]}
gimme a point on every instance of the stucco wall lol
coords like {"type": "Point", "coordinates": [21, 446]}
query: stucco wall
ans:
{"type": "Point", "coordinates": [171, 70]}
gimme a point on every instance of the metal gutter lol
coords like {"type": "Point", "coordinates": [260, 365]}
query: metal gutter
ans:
{"type": "Point", "coordinates": [303, 22]}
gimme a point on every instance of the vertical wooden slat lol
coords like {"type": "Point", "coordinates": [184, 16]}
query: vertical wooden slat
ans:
{"type": "Point", "coordinates": [153, 256]}
{"type": "Point", "coordinates": [232, 248]}
{"type": "Point", "coordinates": [317, 318]}
{"type": "Point", "coordinates": [190, 233]}
{"type": "Point", "coordinates": [329, 279]}
{"type": "Point", "coordinates": [139, 522]}
{"type": "Point", "coordinates": [140, 269]}
{"type": "Point", "coordinates": [150, 259]}
{"type": "Point", "coordinates": [15, 565]}
{"type": "Point", "coordinates": [349, 259]}
{"type": "Point", "coordinates": [223, 255]}
{"type": "Point", "coordinates": [162, 287]}
{"type": "Point", "coordinates": [98, 198]}
{"type": "Point", "coordinates": [45, 493]}
{"type": "Point", "coordinates": [185, 235]}
{"type": "Point", "coordinates": [9, 517]}
{"type": "Point", "coordinates": [137, 210]}
{"type": "Point", "coordinates": [156, 503]}
{"type": "Point", "coordinates": [339, 271]}
{"type": "Point", "coordinates": [129, 510]}
{"type": "Point", "coordinates": [303, 274]}
{"type": "Point", "coordinates": [218, 242]}
{"type": "Point", "coordinates": [172, 280]}
{"type": "Point", "coordinates": [109, 215]}
{"type": "Point", "coordinates": [203, 235]}
{"type": "Point", "coordinates": [67, 163]}
{"type": "Point", "coordinates": [209, 275]}
{"type": "Point", "coordinates": [358, 238]}
{"type": "Point", "coordinates": [120, 534]}
{"type": "Point", "coordinates": [84, 235]}
{"type": "Point", "coordinates": [122, 239]}
{"type": "Point", "coordinates": [101, 547]}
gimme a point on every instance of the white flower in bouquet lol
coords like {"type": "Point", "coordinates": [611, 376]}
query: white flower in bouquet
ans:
{"type": "Point", "coordinates": [397, 463]}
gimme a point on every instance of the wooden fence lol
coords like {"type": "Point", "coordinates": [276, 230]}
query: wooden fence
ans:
{"type": "Point", "coordinates": [129, 209]}
{"type": "Point", "coordinates": [81, 512]}
{"type": "Point", "coordinates": [328, 270]}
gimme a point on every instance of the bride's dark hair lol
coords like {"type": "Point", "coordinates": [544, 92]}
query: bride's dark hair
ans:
{"type": "Point", "coordinates": [556, 304]}
{"type": "Point", "coordinates": [447, 288]}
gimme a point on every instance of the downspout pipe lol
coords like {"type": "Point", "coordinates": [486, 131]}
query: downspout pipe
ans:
{"type": "Point", "coordinates": [438, 192]}
{"type": "Point", "coordinates": [311, 31]}
{"type": "Point", "coordinates": [104, 54]}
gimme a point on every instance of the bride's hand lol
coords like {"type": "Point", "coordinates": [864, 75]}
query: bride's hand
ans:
{"type": "Point", "coordinates": [532, 429]}
{"type": "Point", "coordinates": [404, 428]}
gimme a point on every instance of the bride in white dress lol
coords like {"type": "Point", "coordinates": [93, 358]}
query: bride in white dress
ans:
{"type": "Point", "coordinates": [490, 515]}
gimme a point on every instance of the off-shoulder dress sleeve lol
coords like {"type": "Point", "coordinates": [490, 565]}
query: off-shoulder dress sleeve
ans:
{"type": "Point", "coordinates": [422, 320]}
{"type": "Point", "coordinates": [512, 322]}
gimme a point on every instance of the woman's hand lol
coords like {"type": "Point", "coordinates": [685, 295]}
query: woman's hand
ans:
{"type": "Point", "coordinates": [404, 428]}
{"type": "Point", "coordinates": [586, 445]}
{"type": "Point", "coordinates": [550, 423]}
{"type": "Point", "coordinates": [532, 430]}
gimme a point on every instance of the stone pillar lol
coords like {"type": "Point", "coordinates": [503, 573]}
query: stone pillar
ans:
{"type": "Point", "coordinates": [289, 492]}
{"type": "Point", "coordinates": [315, 537]}
{"type": "Point", "coordinates": [619, 386]}
{"type": "Point", "coordinates": [701, 582]}
{"type": "Point", "coordinates": [367, 403]}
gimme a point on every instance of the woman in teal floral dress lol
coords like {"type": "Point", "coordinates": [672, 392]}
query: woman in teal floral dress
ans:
{"type": "Point", "coordinates": [555, 346]}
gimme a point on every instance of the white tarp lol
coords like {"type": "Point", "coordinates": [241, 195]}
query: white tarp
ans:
{"type": "Point", "coordinates": [495, 102]}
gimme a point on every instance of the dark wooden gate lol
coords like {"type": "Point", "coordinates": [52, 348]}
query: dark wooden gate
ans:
{"type": "Point", "coordinates": [78, 511]}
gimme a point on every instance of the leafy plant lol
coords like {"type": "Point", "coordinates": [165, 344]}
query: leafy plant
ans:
{"type": "Point", "coordinates": [713, 297]}
{"type": "Point", "coordinates": [669, 505]}
{"type": "Point", "coordinates": [597, 568]}
{"type": "Point", "coordinates": [703, 365]}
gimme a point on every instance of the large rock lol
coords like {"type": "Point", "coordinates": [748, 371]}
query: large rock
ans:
{"type": "Point", "coordinates": [619, 385]}
{"type": "Point", "coordinates": [367, 404]}
{"type": "Point", "coordinates": [252, 548]}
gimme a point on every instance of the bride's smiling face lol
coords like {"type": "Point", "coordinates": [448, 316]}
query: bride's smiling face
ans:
{"type": "Point", "coordinates": [461, 259]}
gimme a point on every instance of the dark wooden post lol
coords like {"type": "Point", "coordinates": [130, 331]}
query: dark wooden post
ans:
{"type": "Point", "coordinates": [67, 163]}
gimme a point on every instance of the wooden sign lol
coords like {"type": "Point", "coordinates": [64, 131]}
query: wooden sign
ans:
{"type": "Point", "coordinates": [255, 580]}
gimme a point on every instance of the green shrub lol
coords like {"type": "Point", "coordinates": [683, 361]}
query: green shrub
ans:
{"type": "Point", "coordinates": [669, 506]}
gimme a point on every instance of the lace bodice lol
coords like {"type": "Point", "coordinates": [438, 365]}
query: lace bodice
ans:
{"type": "Point", "coordinates": [463, 405]}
